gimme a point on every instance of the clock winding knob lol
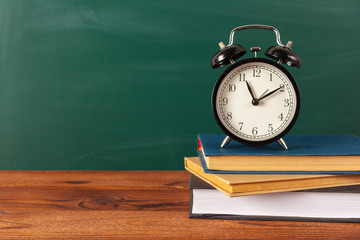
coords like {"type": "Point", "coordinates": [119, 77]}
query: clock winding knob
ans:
{"type": "Point", "coordinates": [255, 50]}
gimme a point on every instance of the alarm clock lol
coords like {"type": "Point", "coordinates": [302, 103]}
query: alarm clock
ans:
{"type": "Point", "coordinates": [256, 100]}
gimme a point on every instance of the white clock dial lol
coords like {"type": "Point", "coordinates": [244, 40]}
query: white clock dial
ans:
{"type": "Point", "coordinates": [256, 101]}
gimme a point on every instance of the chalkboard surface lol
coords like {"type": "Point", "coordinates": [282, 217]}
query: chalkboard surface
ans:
{"type": "Point", "coordinates": [126, 85]}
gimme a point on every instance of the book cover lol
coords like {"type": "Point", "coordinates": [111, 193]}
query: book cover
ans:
{"type": "Point", "coordinates": [327, 154]}
{"type": "Point", "coordinates": [197, 183]}
{"type": "Point", "coordinates": [234, 185]}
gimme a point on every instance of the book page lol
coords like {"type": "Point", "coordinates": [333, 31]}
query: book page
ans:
{"type": "Point", "coordinates": [288, 204]}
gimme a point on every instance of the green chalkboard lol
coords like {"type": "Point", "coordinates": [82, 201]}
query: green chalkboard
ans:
{"type": "Point", "coordinates": [126, 85]}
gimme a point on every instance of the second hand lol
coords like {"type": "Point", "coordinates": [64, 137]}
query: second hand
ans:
{"type": "Point", "coordinates": [264, 93]}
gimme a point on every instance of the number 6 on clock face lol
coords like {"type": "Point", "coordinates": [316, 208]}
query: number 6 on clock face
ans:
{"type": "Point", "coordinates": [256, 101]}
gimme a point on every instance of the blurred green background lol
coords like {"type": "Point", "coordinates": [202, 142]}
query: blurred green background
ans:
{"type": "Point", "coordinates": [126, 85]}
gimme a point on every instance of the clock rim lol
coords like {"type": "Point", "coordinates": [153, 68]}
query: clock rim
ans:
{"type": "Point", "coordinates": [251, 60]}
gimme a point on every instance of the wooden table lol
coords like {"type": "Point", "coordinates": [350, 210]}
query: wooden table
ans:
{"type": "Point", "coordinates": [128, 204]}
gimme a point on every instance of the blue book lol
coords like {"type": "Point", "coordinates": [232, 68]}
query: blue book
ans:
{"type": "Point", "coordinates": [327, 154]}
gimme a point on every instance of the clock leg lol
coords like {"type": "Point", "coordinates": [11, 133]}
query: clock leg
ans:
{"type": "Point", "coordinates": [282, 144]}
{"type": "Point", "coordinates": [225, 141]}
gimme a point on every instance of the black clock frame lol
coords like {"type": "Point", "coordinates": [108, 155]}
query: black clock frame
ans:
{"type": "Point", "coordinates": [235, 65]}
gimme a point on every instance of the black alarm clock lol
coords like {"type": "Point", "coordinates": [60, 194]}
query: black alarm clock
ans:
{"type": "Point", "coordinates": [255, 100]}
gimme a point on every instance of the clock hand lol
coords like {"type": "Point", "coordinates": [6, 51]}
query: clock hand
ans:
{"type": "Point", "coordinates": [250, 90]}
{"type": "Point", "coordinates": [270, 93]}
{"type": "Point", "coordinates": [264, 93]}
{"type": "Point", "coordinates": [254, 101]}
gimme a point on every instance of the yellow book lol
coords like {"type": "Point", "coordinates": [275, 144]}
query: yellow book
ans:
{"type": "Point", "coordinates": [251, 184]}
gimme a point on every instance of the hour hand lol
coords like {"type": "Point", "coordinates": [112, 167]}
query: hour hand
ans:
{"type": "Point", "coordinates": [254, 101]}
{"type": "Point", "coordinates": [250, 90]}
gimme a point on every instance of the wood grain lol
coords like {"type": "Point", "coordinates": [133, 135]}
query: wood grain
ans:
{"type": "Point", "coordinates": [128, 204]}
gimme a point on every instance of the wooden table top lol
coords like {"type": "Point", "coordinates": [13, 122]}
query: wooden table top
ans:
{"type": "Point", "coordinates": [128, 204]}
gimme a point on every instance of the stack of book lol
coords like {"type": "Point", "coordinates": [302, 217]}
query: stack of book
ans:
{"type": "Point", "coordinates": [316, 179]}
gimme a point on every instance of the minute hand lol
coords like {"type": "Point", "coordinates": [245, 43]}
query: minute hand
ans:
{"type": "Point", "coordinates": [270, 93]}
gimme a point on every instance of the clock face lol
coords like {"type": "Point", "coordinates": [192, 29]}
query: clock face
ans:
{"type": "Point", "coordinates": [256, 101]}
